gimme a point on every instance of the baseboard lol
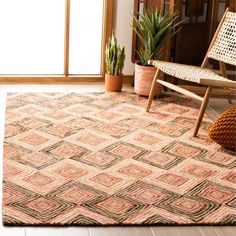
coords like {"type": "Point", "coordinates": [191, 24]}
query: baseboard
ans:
{"type": "Point", "coordinates": [55, 79]}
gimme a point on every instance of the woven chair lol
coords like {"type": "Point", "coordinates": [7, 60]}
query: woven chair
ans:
{"type": "Point", "coordinates": [222, 49]}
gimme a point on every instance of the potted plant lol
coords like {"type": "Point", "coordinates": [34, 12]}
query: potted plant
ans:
{"type": "Point", "coordinates": [152, 30]}
{"type": "Point", "coordinates": [114, 59]}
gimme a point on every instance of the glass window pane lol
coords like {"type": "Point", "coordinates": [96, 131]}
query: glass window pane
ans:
{"type": "Point", "coordinates": [32, 36]}
{"type": "Point", "coordinates": [85, 36]}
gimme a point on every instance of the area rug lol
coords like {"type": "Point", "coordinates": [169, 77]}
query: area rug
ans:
{"type": "Point", "coordinates": [100, 159]}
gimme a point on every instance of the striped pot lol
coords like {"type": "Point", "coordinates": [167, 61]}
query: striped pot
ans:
{"type": "Point", "coordinates": [143, 80]}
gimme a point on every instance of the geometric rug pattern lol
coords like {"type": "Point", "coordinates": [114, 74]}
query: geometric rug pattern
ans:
{"type": "Point", "coordinates": [100, 159]}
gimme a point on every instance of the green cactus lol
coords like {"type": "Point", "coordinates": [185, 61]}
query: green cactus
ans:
{"type": "Point", "coordinates": [115, 56]}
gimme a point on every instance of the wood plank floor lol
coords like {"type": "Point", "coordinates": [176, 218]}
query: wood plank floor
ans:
{"type": "Point", "coordinates": [217, 106]}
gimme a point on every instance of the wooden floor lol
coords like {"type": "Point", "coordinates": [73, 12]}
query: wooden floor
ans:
{"type": "Point", "coordinates": [217, 106]}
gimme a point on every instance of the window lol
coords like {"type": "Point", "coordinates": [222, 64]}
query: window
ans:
{"type": "Point", "coordinates": [85, 36]}
{"type": "Point", "coordinates": [33, 36]}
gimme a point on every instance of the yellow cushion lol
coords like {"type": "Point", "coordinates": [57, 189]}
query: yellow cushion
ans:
{"type": "Point", "coordinates": [223, 131]}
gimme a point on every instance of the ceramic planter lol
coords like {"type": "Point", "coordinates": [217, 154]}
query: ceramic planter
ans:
{"type": "Point", "coordinates": [113, 83]}
{"type": "Point", "coordinates": [143, 80]}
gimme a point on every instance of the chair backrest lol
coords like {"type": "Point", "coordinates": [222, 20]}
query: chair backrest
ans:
{"type": "Point", "coordinates": [223, 47]}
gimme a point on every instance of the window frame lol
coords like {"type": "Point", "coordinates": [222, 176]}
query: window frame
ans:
{"type": "Point", "coordinates": [108, 14]}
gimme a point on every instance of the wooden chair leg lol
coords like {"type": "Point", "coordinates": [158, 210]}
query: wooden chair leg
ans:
{"type": "Point", "coordinates": [202, 110]}
{"type": "Point", "coordinates": [153, 90]}
{"type": "Point", "coordinates": [224, 74]}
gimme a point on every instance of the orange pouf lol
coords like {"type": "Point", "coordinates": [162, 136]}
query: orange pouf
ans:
{"type": "Point", "coordinates": [223, 131]}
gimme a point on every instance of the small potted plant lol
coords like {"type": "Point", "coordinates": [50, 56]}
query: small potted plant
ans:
{"type": "Point", "coordinates": [114, 59]}
{"type": "Point", "coordinates": [152, 30]}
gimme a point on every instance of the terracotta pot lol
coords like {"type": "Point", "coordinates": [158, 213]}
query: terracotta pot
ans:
{"type": "Point", "coordinates": [143, 80]}
{"type": "Point", "coordinates": [113, 83]}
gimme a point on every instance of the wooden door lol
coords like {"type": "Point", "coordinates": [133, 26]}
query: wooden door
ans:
{"type": "Point", "coordinates": [201, 18]}
{"type": "Point", "coordinates": [192, 41]}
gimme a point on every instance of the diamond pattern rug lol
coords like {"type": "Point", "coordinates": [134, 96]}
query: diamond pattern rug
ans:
{"type": "Point", "coordinates": [100, 159]}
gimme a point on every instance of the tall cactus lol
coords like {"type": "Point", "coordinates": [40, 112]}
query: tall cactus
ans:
{"type": "Point", "coordinates": [115, 56]}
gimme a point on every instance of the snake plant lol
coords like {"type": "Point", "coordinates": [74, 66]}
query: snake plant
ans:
{"type": "Point", "coordinates": [153, 30]}
{"type": "Point", "coordinates": [115, 56]}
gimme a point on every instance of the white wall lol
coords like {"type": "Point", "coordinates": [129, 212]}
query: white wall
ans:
{"type": "Point", "coordinates": [123, 31]}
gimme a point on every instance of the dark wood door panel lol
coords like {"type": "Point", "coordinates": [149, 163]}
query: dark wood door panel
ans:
{"type": "Point", "coordinates": [194, 7]}
{"type": "Point", "coordinates": [191, 44]}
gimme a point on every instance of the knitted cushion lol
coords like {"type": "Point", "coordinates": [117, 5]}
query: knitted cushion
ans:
{"type": "Point", "coordinates": [223, 131]}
